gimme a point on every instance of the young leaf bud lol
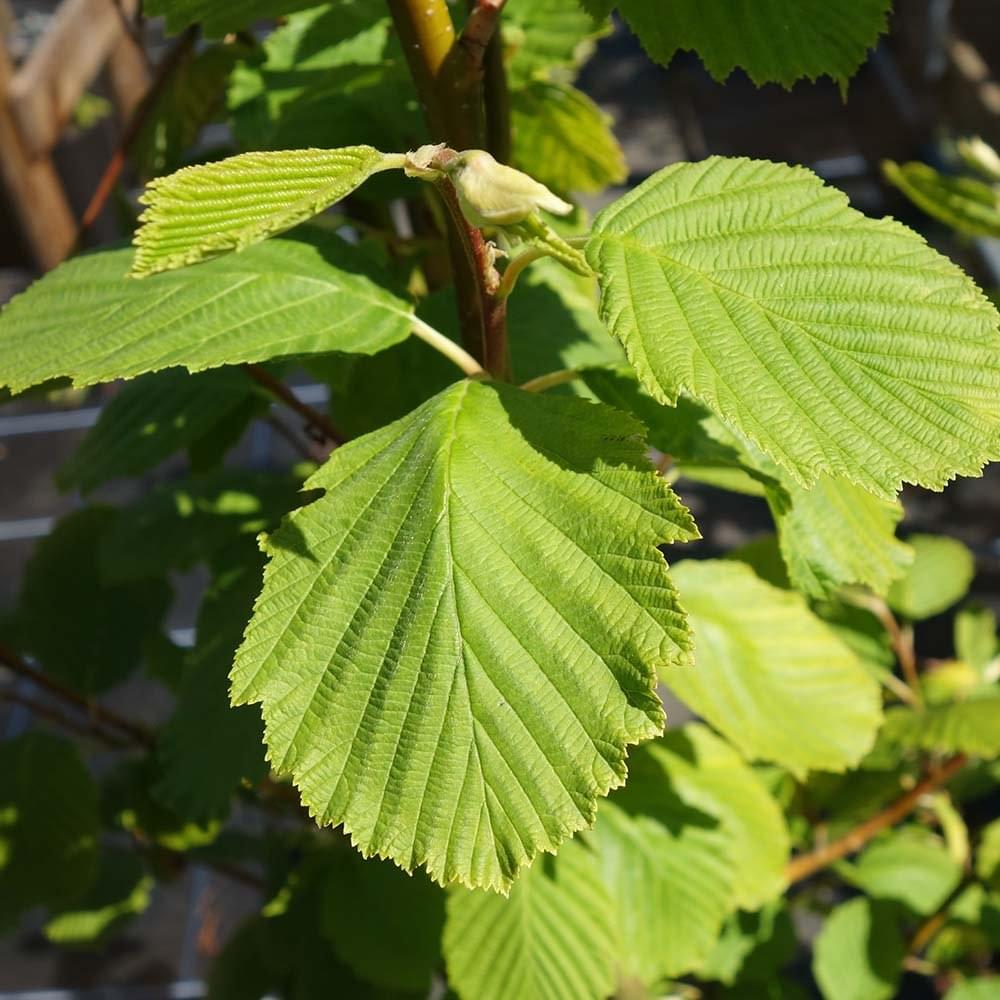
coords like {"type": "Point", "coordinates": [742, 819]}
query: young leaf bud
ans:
{"type": "Point", "coordinates": [492, 194]}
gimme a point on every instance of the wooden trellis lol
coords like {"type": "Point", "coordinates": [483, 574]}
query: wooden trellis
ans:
{"type": "Point", "coordinates": [37, 100]}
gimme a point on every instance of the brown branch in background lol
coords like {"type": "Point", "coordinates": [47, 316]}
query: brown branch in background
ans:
{"type": "Point", "coordinates": [479, 30]}
{"type": "Point", "coordinates": [901, 639]}
{"type": "Point", "coordinates": [133, 29]}
{"type": "Point", "coordinates": [98, 713]}
{"type": "Point", "coordinates": [71, 725]}
{"type": "Point", "coordinates": [808, 864]}
{"type": "Point", "coordinates": [164, 71]}
{"type": "Point", "coordinates": [318, 422]}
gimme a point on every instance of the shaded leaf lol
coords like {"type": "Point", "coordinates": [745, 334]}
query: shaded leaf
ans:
{"type": "Point", "coordinates": [404, 606]}
{"type": "Point", "coordinates": [48, 825]}
{"type": "Point", "coordinates": [709, 774]}
{"type": "Point", "coordinates": [206, 748]}
{"type": "Point", "coordinates": [907, 866]}
{"type": "Point", "coordinates": [859, 952]}
{"type": "Point", "coordinates": [669, 869]}
{"type": "Point", "coordinates": [218, 17]}
{"type": "Point", "coordinates": [384, 924]}
{"type": "Point", "coordinates": [752, 947]}
{"type": "Point", "coordinates": [553, 938]}
{"type": "Point", "coordinates": [102, 626]}
{"type": "Point", "coordinates": [775, 41]}
{"type": "Point", "coordinates": [563, 139]}
{"type": "Point", "coordinates": [180, 524]}
{"type": "Point", "coordinates": [122, 890]}
{"type": "Point", "coordinates": [153, 417]}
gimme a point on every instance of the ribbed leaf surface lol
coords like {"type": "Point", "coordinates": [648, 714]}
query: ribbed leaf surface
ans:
{"type": "Point", "coordinates": [775, 41]}
{"type": "Point", "coordinates": [87, 321]}
{"type": "Point", "coordinates": [835, 342]}
{"type": "Point", "coordinates": [454, 647]}
{"type": "Point", "coordinates": [769, 674]}
{"type": "Point", "coordinates": [836, 533]}
{"type": "Point", "coordinates": [214, 208]}
{"type": "Point", "coordinates": [553, 938]}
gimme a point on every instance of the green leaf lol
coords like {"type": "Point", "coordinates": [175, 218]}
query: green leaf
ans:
{"type": "Point", "coordinates": [123, 890]}
{"type": "Point", "coordinates": [939, 577]}
{"type": "Point", "coordinates": [835, 534]}
{"type": "Point", "coordinates": [908, 866]}
{"type": "Point", "coordinates": [775, 41]}
{"type": "Point", "coordinates": [802, 350]}
{"type": "Point", "coordinates": [976, 641]}
{"type": "Point", "coordinates": [153, 417]}
{"type": "Point", "coordinates": [215, 208]}
{"type": "Point", "coordinates": [710, 775]}
{"type": "Point", "coordinates": [48, 825]}
{"type": "Point", "coordinates": [384, 924]}
{"type": "Point", "coordinates": [769, 675]}
{"type": "Point", "coordinates": [546, 39]}
{"type": "Point", "coordinates": [332, 75]}
{"type": "Point", "coordinates": [206, 749]}
{"type": "Point", "coordinates": [219, 17]}
{"type": "Point", "coordinates": [180, 524]}
{"type": "Point", "coordinates": [669, 869]}
{"type": "Point", "coordinates": [971, 726]}
{"type": "Point", "coordinates": [859, 952]}
{"type": "Point", "coordinates": [302, 295]}
{"type": "Point", "coordinates": [752, 947]}
{"type": "Point", "coordinates": [402, 612]}
{"type": "Point", "coordinates": [553, 323]}
{"type": "Point", "coordinates": [102, 626]}
{"type": "Point", "coordinates": [553, 938]}
{"type": "Point", "coordinates": [563, 139]}
{"type": "Point", "coordinates": [964, 203]}
{"type": "Point", "coordinates": [192, 96]}
{"type": "Point", "coordinates": [988, 854]}
{"type": "Point", "coordinates": [986, 988]}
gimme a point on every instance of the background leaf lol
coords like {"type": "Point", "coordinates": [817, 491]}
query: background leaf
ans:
{"type": "Point", "coordinates": [964, 203]}
{"type": "Point", "coordinates": [553, 938]}
{"type": "Point", "coordinates": [102, 627]}
{"type": "Point", "coordinates": [859, 952]}
{"type": "Point", "coordinates": [775, 41]}
{"type": "Point", "coordinates": [939, 577]}
{"type": "Point", "coordinates": [769, 675]}
{"type": "Point", "coordinates": [48, 825]}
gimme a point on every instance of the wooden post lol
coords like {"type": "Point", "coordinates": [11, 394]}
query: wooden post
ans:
{"type": "Point", "coordinates": [35, 191]}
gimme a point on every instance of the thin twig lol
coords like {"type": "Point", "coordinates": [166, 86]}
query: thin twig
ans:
{"type": "Point", "coordinates": [319, 422]}
{"type": "Point", "coordinates": [307, 449]}
{"type": "Point", "coordinates": [452, 351]}
{"type": "Point", "coordinates": [928, 930]}
{"type": "Point", "coordinates": [52, 714]}
{"type": "Point", "coordinates": [109, 178]}
{"type": "Point", "coordinates": [808, 864]}
{"type": "Point", "coordinates": [900, 637]}
{"type": "Point", "coordinates": [479, 29]}
{"type": "Point", "coordinates": [551, 380]}
{"type": "Point", "coordinates": [16, 664]}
